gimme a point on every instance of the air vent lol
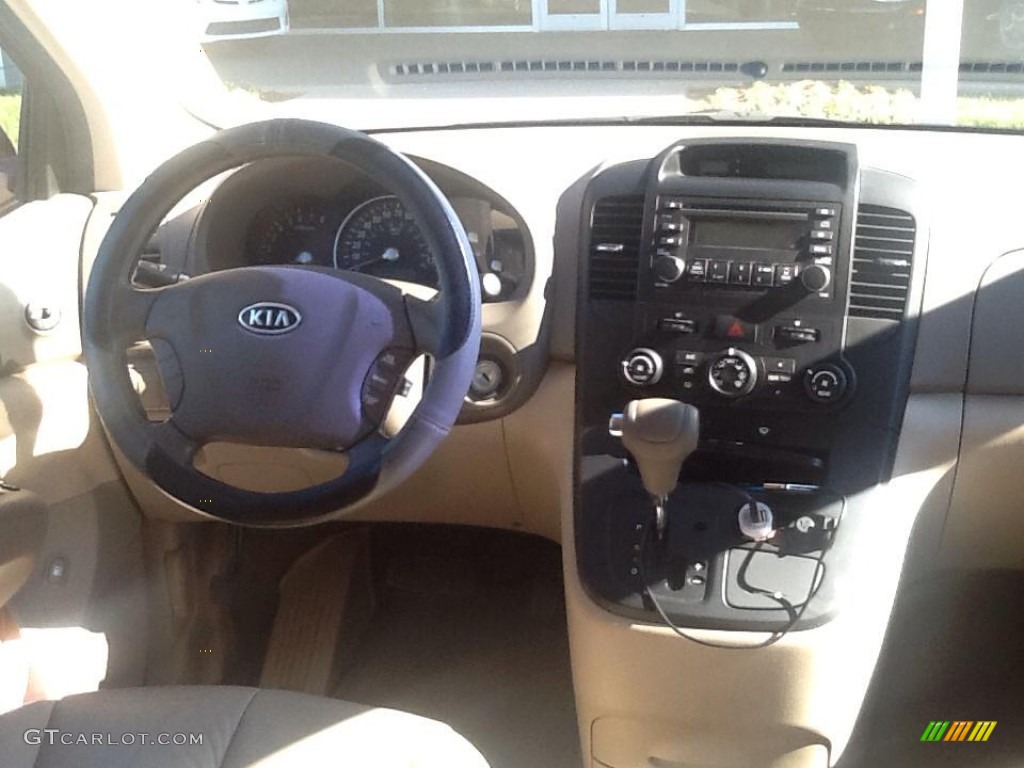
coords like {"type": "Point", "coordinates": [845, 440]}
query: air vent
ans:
{"type": "Point", "coordinates": [519, 67]}
{"type": "Point", "coordinates": [615, 233]}
{"type": "Point", "coordinates": [991, 67]}
{"type": "Point", "coordinates": [883, 254]}
{"type": "Point", "coordinates": [850, 67]}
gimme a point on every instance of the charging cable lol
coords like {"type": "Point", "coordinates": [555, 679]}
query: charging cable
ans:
{"type": "Point", "coordinates": [794, 614]}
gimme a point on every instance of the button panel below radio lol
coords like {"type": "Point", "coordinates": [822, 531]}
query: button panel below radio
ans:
{"type": "Point", "coordinates": [690, 342]}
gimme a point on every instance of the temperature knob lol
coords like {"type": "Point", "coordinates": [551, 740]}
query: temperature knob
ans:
{"type": "Point", "coordinates": [825, 383]}
{"type": "Point", "coordinates": [815, 277]}
{"type": "Point", "coordinates": [642, 367]}
{"type": "Point", "coordinates": [668, 268]}
{"type": "Point", "coordinates": [733, 373]}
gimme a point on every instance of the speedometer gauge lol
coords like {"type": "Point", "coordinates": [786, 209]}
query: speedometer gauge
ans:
{"type": "Point", "coordinates": [382, 239]}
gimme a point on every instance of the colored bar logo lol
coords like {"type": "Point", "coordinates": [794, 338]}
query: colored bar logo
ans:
{"type": "Point", "coordinates": [958, 730]}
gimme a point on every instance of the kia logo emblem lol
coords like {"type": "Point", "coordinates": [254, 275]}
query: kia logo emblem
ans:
{"type": "Point", "coordinates": [269, 319]}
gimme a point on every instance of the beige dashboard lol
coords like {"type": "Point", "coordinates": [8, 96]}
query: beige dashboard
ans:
{"type": "Point", "coordinates": [644, 697]}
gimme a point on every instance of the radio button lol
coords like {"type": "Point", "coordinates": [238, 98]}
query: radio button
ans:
{"type": "Point", "coordinates": [825, 211]}
{"type": "Point", "coordinates": [816, 278]}
{"type": "Point", "coordinates": [764, 275]}
{"type": "Point", "coordinates": [718, 271]}
{"type": "Point", "coordinates": [739, 273]}
{"type": "Point", "coordinates": [824, 224]}
{"type": "Point", "coordinates": [820, 249]}
{"type": "Point", "coordinates": [668, 268]}
{"type": "Point", "coordinates": [822, 234]}
{"type": "Point", "coordinates": [785, 274]}
{"type": "Point", "coordinates": [697, 270]}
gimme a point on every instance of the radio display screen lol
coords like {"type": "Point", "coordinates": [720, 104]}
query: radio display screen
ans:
{"type": "Point", "coordinates": [766, 235]}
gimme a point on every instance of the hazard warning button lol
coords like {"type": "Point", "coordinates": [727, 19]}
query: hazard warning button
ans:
{"type": "Point", "coordinates": [732, 328]}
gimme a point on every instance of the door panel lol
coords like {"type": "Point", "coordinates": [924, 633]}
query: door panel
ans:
{"type": "Point", "coordinates": [51, 444]}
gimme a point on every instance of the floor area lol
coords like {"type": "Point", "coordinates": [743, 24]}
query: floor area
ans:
{"type": "Point", "coordinates": [470, 630]}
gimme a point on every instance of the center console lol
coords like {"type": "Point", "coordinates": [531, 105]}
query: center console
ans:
{"type": "Point", "coordinates": [772, 285]}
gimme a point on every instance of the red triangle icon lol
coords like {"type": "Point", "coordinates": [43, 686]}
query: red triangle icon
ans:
{"type": "Point", "coordinates": [735, 330]}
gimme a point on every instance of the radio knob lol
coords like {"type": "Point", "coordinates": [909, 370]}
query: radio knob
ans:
{"type": "Point", "coordinates": [642, 367]}
{"type": "Point", "coordinates": [669, 268]}
{"type": "Point", "coordinates": [732, 373]}
{"type": "Point", "coordinates": [815, 277]}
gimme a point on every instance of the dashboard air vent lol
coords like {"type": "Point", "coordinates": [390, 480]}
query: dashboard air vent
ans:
{"type": "Point", "coordinates": [851, 67]}
{"type": "Point", "coordinates": [615, 233]}
{"type": "Point", "coordinates": [674, 68]}
{"type": "Point", "coordinates": [883, 254]}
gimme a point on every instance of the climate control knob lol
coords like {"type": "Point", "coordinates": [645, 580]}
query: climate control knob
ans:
{"type": "Point", "coordinates": [825, 383]}
{"type": "Point", "coordinates": [668, 268]}
{"type": "Point", "coordinates": [642, 367]}
{"type": "Point", "coordinates": [815, 277]}
{"type": "Point", "coordinates": [732, 373]}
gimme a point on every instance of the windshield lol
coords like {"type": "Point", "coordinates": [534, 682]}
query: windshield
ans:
{"type": "Point", "coordinates": [401, 63]}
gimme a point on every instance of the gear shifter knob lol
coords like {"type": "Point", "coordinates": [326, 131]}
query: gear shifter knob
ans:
{"type": "Point", "coordinates": [660, 434]}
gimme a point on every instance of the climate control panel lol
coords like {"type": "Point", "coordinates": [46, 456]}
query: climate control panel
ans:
{"type": "Point", "coordinates": [733, 374]}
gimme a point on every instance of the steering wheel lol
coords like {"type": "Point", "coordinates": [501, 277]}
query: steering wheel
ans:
{"type": "Point", "coordinates": [290, 356]}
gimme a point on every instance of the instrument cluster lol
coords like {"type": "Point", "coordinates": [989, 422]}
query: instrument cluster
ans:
{"type": "Point", "coordinates": [377, 236]}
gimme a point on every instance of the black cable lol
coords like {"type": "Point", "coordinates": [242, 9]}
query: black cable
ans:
{"type": "Point", "coordinates": [775, 636]}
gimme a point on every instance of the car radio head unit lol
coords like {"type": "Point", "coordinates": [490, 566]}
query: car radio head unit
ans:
{"type": "Point", "coordinates": [744, 244]}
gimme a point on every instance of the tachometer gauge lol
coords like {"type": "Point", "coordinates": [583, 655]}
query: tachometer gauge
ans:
{"type": "Point", "coordinates": [291, 234]}
{"type": "Point", "coordinates": [382, 239]}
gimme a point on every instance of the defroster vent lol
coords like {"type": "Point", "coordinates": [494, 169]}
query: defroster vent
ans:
{"type": "Point", "coordinates": [615, 233]}
{"type": "Point", "coordinates": [883, 255]}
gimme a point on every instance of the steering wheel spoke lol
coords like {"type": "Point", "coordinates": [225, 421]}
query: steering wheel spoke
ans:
{"type": "Point", "coordinates": [426, 320]}
{"type": "Point", "coordinates": [133, 307]}
{"type": "Point", "coordinates": [173, 441]}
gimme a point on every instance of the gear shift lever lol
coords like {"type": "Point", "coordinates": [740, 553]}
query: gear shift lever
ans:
{"type": "Point", "coordinates": [660, 434]}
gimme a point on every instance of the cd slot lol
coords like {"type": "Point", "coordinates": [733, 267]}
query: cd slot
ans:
{"type": "Point", "coordinates": [733, 213]}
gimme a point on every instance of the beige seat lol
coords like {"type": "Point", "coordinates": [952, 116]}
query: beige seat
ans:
{"type": "Point", "coordinates": [238, 727]}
